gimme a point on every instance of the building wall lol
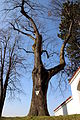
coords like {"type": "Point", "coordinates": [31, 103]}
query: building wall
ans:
{"type": "Point", "coordinates": [72, 106]}
{"type": "Point", "coordinates": [65, 109]}
{"type": "Point", "coordinates": [59, 112]}
{"type": "Point", "coordinates": [76, 92]}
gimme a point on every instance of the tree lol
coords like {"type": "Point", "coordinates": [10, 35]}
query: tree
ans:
{"type": "Point", "coordinates": [41, 76]}
{"type": "Point", "coordinates": [70, 11]}
{"type": "Point", "coordinates": [10, 61]}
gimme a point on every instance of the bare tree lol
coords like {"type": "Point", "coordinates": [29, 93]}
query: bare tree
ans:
{"type": "Point", "coordinates": [10, 61]}
{"type": "Point", "coordinates": [26, 12]}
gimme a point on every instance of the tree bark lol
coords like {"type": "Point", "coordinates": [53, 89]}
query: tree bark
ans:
{"type": "Point", "coordinates": [1, 106]}
{"type": "Point", "coordinates": [40, 75]}
{"type": "Point", "coordinates": [39, 100]}
{"type": "Point", "coordinates": [41, 78]}
{"type": "Point", "coordinates": [4, 87]}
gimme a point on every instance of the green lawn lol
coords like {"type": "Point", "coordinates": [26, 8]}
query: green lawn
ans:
{"type": "Point", "coordinates": [70, 117]}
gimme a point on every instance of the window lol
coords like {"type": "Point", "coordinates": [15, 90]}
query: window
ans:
{"type": "Point", "coordinates": [78, 87]}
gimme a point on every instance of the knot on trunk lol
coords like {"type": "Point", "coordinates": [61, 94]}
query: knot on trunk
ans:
{"type": "Point", "coordinates": [35, 70]}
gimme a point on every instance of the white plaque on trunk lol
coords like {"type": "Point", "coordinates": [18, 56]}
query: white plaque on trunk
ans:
{"type": "Point", "coordinates": [37, 92]}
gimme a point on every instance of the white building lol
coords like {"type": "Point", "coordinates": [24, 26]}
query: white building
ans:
{"type": "Point", "coordinates": [72, 104]}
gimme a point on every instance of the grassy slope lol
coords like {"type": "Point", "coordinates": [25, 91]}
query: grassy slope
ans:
{"type": "Point", "coordinates": [70, 117]}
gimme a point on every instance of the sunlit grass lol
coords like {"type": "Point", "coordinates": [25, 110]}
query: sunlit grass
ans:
{"type": "Point", "coordinates": [69, 117]}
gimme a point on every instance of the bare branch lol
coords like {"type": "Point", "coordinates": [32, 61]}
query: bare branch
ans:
{"type": "Point", "coordinates": [29, 18]}
{"type": "Point", "coordinates": [6, 80]}
{"type": "Point", "coordinates": [60, 67]}
{"type": "Point", "coordinates": [62, 61]}
{"type": "Point", "coordinates": [22, 32]}
{"type": "Point", "coordinates": [3, 59]}
{"type": "Point", "coordinates": [45, 52]}
{"type": "Point", "coordinates": [26, 50]}
{"type": "Point", "coordinates": [17, 6]}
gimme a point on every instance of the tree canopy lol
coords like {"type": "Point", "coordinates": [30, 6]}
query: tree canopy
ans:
{"type": "Point", "coordinates": [70, 11]}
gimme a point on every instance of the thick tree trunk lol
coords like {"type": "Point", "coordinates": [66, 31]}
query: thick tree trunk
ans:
{"type": "Point", "coordinates": [39, 101]}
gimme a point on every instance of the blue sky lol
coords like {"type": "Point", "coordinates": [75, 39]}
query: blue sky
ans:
{"type": "Point", "coordinates": [20, 107]}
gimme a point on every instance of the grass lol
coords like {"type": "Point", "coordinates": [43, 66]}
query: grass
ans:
{"type": "Point", "coordinates": [68, 117]}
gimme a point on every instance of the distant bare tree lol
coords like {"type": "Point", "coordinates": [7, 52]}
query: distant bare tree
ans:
{"type": "Point", "coordinates": [10, 62]}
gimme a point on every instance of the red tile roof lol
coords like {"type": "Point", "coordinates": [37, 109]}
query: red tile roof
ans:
{"type": "Point", "coordinates": [74, 75]}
